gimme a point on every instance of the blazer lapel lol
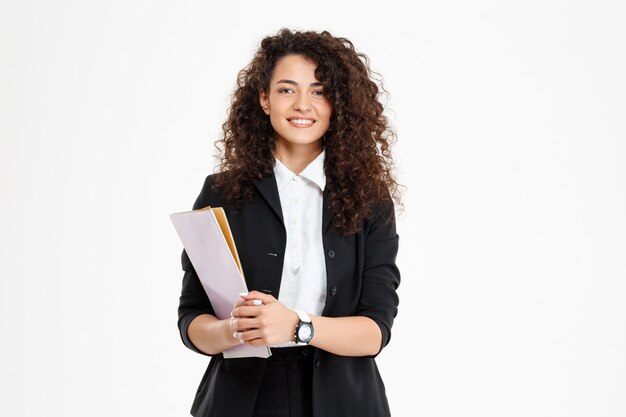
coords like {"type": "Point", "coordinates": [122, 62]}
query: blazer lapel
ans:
{"type": "Point", "coordinates": [269, 191]}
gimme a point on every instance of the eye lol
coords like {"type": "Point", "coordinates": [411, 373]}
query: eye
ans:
{"type": "Point", "coordinates": [284, 90]}
{"type": "Point", "coordinates": [319, 93]}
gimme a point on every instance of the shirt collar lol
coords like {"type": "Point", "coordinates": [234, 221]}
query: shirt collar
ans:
{"type": "Point", "coordinates": [313, 172]}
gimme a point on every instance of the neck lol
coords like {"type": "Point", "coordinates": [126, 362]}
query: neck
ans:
{"type": "Point", "coordinates": [296, 157]}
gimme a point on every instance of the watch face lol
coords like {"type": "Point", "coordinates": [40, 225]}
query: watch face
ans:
{"type": "Point", "coordinates": [305, 332]}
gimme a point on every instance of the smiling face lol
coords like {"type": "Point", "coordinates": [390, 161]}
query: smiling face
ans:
{"type": "Point", "coordinates": [299, 110]}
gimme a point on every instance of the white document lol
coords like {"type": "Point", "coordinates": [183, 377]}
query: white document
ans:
{"type": "Point", "coordinates": [213, 254]}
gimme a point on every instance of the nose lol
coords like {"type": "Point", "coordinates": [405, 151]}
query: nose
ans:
{"type": "Point", "coordinates": [302, 103]}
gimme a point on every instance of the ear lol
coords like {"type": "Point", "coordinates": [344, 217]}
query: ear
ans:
{"type": "Point", "coordinates": [265, 102]}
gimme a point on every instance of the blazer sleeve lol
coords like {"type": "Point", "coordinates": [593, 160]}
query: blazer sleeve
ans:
{"type": "Point", "coordinates": [193, 299]}
{"type": "Point", "coordinates": [381, 277]}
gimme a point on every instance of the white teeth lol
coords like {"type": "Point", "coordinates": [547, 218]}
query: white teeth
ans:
{"type": "Point", "coordinates": [301, 121]}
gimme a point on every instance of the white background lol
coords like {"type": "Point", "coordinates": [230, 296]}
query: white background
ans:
{"type": "Point", "coordinates": [510, 117]}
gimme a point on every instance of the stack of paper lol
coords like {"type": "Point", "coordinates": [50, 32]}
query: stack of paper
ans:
{"type": "Point", "coordinates": [209, 243]}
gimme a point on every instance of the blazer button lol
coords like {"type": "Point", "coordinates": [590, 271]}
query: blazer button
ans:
{"type": "Point", "coordinates": [331, 254]}
{"type": "Point", "coordinates": [333, 291]}
{"type": "Point", "coordinates": [317, 363]}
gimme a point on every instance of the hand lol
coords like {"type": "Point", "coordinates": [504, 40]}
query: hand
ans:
{"type": "Point", "coordinates": [269, 323]}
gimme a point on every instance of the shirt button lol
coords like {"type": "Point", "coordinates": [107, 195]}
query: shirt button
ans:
{"type": "Point", "coordinates": [333, 291]}
{"type": "Point", "coordinates": [331, 254]}
{"type": "Point", "coordinates": [317, 363]}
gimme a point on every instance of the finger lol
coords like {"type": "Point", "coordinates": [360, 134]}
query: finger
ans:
{"type": "Point", "coordinates": [242, 325]}
{"type": "Point", "coordinates": [251, 335]}
{"type": "Point", "coordinates": [239, 337]}
{"type": "Point", "coordinates": [265, 298]}
{"type": "Point", "coordinates": [246, 311]}
{"type": "Point", "coordinates": [246, 303]}
{"type": "Point", "coordinates": [254, 302]}
{"type": "Point", "coordinates": [256, 342]}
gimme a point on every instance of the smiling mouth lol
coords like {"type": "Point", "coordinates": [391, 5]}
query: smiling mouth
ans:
{"type": "Point", "coordinates": [301, 122]}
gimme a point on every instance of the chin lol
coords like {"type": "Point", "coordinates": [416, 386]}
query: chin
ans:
{"type": "Point", "coordinates": [304, 141]}
{"type": "Point", "coordinates": [300, 140]}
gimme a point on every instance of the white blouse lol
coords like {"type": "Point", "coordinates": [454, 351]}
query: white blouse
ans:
{"type": "Point", "coordinates": [303, 284]}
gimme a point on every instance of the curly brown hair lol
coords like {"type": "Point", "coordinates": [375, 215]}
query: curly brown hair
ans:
{"type": "Point", "coordinates": [358, 162]}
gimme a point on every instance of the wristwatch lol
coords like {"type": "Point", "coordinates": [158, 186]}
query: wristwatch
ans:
{"type": "Point", "coordinates": [304, 329]}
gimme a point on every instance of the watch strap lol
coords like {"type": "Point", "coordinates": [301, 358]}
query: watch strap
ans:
{"type": "Point", "coordinates": [303, 316]}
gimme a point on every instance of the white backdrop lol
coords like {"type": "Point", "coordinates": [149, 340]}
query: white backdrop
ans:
{"type": "Point", "coordinates": [510, 117]}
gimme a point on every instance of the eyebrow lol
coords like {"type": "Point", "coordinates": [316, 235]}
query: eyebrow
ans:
{"type": "Point", "coordinates": [315, 84]}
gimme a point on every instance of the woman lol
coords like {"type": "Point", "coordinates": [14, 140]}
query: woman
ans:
{"type": "Point", "coordinates": [306, 183]}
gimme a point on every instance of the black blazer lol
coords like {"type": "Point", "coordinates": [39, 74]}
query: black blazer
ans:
{"type": "Point", "coordinates": [362, 280]}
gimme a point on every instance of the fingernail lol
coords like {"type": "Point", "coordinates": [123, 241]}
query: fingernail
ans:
{"type": "Point", "coordinates": [257, 302]}
{"type": "Point", "coordinates": [243, 294]}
